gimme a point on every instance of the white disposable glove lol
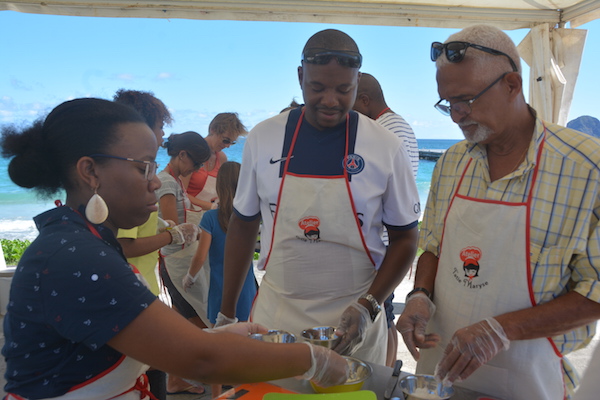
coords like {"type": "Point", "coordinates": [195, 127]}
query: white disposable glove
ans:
{"type": "Point", "coordinates": [413, 322]}
{"type": "Point", "coordinates": [470, 348]}
{"type": "Point", "coordinates": [223, 320]}
{"type": "Point", "coordinates": [184, 233]}
{"type": "Point", "coordinates": [188, 281]}
{"type": "Point", "coordinates": [354, 322]}
{"type": "Point", "coordinates": [243, 329]}
{"type": "Point", "coordinates": [163, 224]}
{"type": "Point", "coordinates": [327, 368]}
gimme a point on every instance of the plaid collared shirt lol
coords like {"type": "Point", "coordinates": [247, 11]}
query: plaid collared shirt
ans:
{"type": "Point", "coordinates": [565, 212]}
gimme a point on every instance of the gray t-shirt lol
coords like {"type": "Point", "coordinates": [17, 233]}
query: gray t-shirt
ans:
{"type": "Point", "coordinates": [172, 186]}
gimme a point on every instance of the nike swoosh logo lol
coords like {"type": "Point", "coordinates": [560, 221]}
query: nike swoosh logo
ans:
{"type": "Point", "coordinates": [278, 160]}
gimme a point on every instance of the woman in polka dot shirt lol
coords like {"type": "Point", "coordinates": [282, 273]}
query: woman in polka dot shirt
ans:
{"type": "Point", "coordinates": [79, 321]}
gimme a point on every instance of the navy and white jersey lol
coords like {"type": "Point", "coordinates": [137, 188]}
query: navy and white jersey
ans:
{"type": "Point", "coordinates": [71, 293]}
{"type": "Point", "coordinates": [379, 168]}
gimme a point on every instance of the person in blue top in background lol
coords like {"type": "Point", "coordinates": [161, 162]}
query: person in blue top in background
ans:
{"type": "Point", "coordinates": [212, 243]}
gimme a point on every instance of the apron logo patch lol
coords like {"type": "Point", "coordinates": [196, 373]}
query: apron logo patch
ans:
{"type": "Point", "coordinates": [354, 164]}
{"type": "Point", "coordinates": [470, 257]}
{"type": "Point", "coordinates": [310, 227]}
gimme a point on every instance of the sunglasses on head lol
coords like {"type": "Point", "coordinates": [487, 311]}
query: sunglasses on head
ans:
{"type": "Point", "coordinates": [345, 58]}
{"type": "Point", "coordinates": [455, 52]}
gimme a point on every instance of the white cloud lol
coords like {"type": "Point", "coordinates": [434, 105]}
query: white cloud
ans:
{"type": "Point", "coordinates": [164, 76]}
{"type": "Point", "coordinates": [126, 77]}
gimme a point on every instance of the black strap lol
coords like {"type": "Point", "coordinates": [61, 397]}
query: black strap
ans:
{"type": "Point", "coordinates": [352, 133]}
{"type": "Point", "coordinates": [290, 128]}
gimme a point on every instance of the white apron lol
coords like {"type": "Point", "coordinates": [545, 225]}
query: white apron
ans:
{"type": "Point", "coordinates": [318, 263]}
{"type": "Point", "coordinates": [484, 270]}
{"type": "Point", "coordinates": [209, 190]}
{"type": "Point", "coordinates": [116, 382]}
{"type": "Point", "coordinates": [178, 263]}
{"type": "Point", "coordinates": [208, 193]}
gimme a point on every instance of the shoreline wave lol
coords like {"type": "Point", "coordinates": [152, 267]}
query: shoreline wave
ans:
{"type": "Point", "coordinates": [18, 206]}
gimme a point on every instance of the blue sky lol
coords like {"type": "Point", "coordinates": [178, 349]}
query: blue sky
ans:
{"type": "Point", "coordinates": [200, 68]}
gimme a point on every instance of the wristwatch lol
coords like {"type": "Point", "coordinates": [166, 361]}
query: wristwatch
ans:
{"type": "Point", "coordinates": [374, 305]}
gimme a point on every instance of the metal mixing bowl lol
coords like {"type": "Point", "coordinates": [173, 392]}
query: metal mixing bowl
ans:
{"type": "Point", "coordinates": [425, 387]}
{"type": "Point", "coordinates": [321, 336]}
{"type": "Point", "coordinates": [359, 372]}
{"type": "Point", "coordinates": [274, 336]}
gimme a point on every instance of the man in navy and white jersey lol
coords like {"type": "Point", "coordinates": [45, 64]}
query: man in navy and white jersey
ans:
{"type": "Point", "coordinates": [325, 181]}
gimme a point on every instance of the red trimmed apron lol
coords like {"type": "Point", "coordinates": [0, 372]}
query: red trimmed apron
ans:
{"type": "Point", "coordinates": [318, 263]}
{"type": "Point", "coordinates": [178, 263]}
{"type": "Point", "coordinates": [484, 270]}
{"type": "Point", "coordinates": [209, 190]}
{"type": "Point", "coordinates": [114, 383]}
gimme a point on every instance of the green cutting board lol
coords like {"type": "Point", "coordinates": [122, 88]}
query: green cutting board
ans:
{"type": "Point", "coordinates": [358, 395]}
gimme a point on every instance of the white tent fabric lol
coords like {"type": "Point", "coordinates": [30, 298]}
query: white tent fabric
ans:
{"type": "Point", "coordinates": [554, 57]}
{"type": "Point", "coordinates": [506, 14]}
{"type": "Point", "coordinates": [553, 53]}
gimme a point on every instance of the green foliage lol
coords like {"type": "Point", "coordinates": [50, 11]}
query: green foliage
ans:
{"type": "Point", "coordinates": [13, 250]}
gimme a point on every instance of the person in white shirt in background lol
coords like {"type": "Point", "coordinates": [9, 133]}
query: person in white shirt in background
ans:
{"type": "Point", "coordinates": [371, 102]}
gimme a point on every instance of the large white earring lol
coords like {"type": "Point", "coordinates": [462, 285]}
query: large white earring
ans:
{"type": "Point", "coordinates": [96, 210]}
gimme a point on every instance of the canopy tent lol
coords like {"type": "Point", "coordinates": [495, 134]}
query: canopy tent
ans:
{"type": "Point", "coordinates": [552, 51]}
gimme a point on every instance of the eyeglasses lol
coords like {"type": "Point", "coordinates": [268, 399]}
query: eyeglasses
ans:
{"type": "Point", "coordinates": [151, 166]}
{"type": "Point", "coordinates": [463, 107]}
{"type": "Point", "coordinates": [346, 58]}
{"type": "Point", "coordinates": [455, 52]}
{"type": "Point", "coordinates": [228, 141]}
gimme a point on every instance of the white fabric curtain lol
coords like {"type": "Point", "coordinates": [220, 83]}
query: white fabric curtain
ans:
{"type": "Point", "coordinates": [554, 56]}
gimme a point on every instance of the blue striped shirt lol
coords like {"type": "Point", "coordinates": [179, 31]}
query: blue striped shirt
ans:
{"type": "Point", "coordinates": [399, 127]}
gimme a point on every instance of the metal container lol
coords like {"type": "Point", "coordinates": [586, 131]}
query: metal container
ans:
{"type": "Point", "coordinates": [274, 336]}
{"type": "Point", "coordinates": [425, 387]}
{"type": "Point", "coordinates": [358, 372]}
{"type": "Point", "coordinates": [321, 336]}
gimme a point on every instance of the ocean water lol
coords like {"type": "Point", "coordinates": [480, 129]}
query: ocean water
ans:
{"type": "Point", "coordinates": [18, 206]}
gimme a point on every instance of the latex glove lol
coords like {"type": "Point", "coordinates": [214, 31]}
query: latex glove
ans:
{"type": "Point", "coordinates": [243, 329]}
{"type": "Point", "coordinates": [354, 322]}
{"type": "Point", "coordinates": [223, 320]}
{"type": "Point", "coordinates": [184, 233]}
{"type": "Point", "coordinates": [188, 281]}
{"type": "Point", "coordinates": [413, 322]}
{"type": "Point", "coordinates": [163, 224]}
{"type": "Point", "coordinates": [326, 367]}
{"type": "Point", "coordinates": [470, 348]}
